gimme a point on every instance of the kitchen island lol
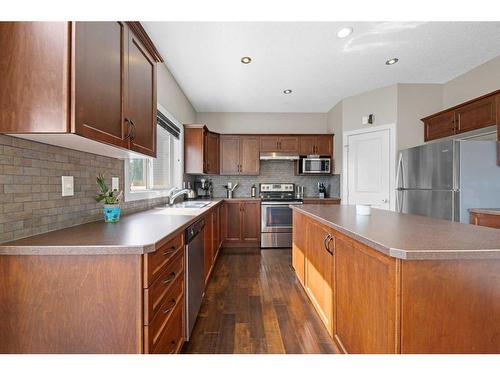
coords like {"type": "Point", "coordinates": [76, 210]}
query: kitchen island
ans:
{"type": "Point", "coordinates": [398, 283]}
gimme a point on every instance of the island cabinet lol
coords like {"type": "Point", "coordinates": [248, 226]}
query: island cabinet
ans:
{"type": "Point", "coordinates": [239, 155]}
{"type": "Point", "coordinates": [371, 302]}
{"type": "Point", "coordinates": [201, 150]}
{"type": "Point", "coordinates": [79, 82]}
{"type": "Point", "coordinates": [241, 222]}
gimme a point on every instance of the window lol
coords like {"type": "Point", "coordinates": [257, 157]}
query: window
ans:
{"type": "Point", "coordinates": [153, 177]}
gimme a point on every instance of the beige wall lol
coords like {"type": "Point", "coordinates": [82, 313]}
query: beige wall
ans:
{"type": "Point", "coordinates": [479, 81]}
{"type": "Point", "coordinates": [171, 96]}
{"type": "Point", "coordinates": [415, 101]}
{"type": "Point", "coordinates": [239, 122]}
{"type": "Point", "coordinates": [382, 103]}
{"type": "Point", "coordinates": [334, 124]}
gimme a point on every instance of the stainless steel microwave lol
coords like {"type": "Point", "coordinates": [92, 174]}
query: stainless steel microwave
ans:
{"type": "Point", "coordinates": [316, 165]}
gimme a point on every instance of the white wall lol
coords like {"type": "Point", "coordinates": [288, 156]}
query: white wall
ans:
{"type": "Point", "coordinates": [241, 122]}
{"type": "Point", "coordinates": [171, 96]}
{"type": "Point", "coordinates": [415, 101]}
{"type": "Point", "coordinates": [479, 81]}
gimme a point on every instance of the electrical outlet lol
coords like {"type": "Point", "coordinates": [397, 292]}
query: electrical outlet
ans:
{"type": "Point", "coordinates": [115, 183]}
{"type": "Point", "coordinates": [68, 188]}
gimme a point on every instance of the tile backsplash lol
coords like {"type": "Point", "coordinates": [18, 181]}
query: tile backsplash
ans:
{"type": "Point", "coordinates": [274, 171]}
{"type": "Point", "coordinates": [30, 187]}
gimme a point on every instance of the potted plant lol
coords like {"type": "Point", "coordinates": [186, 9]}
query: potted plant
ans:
{"type": "Point", "coordinates": [111, 199]}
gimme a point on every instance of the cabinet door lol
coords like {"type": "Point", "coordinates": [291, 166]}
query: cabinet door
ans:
{"type": "Point", "coordinates": [208, 245]}
{"type": "Point", "coordinates": [211, 153]}
{"type": "Point", "coordinates": [440, 126]}
{"type": "Point", "coordinates": [288, 144]}
{"type": "Point", "coordinates": [324, 145]}
{"type": "Point", "coordinates": [299, 245]}
{"type": "Point", "coordinates": [307, 145]}
{"type": "Point", "coordinates": [140, 97]}
{"type": "Point", "coordinates": [98, 83]}
{"type": "Point", "coordinates": [476, 115]}
{"type": "Point", "coordinates": [250, 223]}
{"type": "Point", "coordinates": [269, 144]}
{"type": "Point", "coordinates": [232, 221]}
{"type": "Point", "coordinates": [229, 155]}
{"type": "Point", "coordinates": [366, 299]}
{"type": "Point", "coordinates": [319, 272]}
{"type": "Point", "coordinates": [35, 70]}
{"type": "Point", "coordinates": [249, 155]}
{"type": "Point", "coordinates": [215, 231]}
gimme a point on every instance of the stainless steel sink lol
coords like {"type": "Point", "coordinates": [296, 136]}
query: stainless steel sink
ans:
{"type": "Point", "coordinates": [190, 204]}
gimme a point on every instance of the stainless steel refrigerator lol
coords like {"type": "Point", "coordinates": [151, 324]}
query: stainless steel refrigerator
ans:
{"type": "Point", "coordinates": [445, 179]}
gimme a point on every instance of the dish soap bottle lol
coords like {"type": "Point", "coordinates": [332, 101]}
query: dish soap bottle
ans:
{"type": "Point", "coordinates": [254, 191]}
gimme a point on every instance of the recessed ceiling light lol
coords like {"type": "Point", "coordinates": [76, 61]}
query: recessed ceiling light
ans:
{"type": "Point", "coordinates": [344, 32]}
{"type": "Point", "coordinates": [287, 91]}
{"type": "Point", "coordinates": [392, 61]}
{"type": "Point", "coordinates": [246, 60]}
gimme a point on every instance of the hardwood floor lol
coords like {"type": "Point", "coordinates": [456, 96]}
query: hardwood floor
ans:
{"type": "Point", "coordinates": [255, 304]}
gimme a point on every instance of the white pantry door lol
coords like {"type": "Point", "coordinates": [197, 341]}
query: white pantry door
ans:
{"type": "Point", "coordinates": [369, 168]}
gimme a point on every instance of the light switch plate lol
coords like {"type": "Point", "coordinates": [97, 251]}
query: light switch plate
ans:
{"type": "Point", "coordinates": [67, 186]}
{"type": "Point", "coordinates": [115, 183]}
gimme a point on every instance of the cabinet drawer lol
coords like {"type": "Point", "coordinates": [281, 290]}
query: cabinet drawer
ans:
{"type": "Point", "coordinates": [168, 286]}
{"type": "Point", "coordinates": [171, 339]}
{"type": "Point", "coordinates": [154, 263]}
{"type": "Point", "coordinates": [162, 320]}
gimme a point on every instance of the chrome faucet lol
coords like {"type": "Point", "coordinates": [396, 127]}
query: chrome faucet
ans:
{"type": "Point", "coordinates": [174, 193]}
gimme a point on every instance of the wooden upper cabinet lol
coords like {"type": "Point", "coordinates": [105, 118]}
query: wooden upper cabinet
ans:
{"type": "Point", "coordinates": [476, 115]}
{"type": "Point", "coordinates": [442, 125]}
{"type": "Point", "coordinates": [229, 154]}
{"type": "Point", "coordinates": [319, 271]}
{"type": "Point", "coordinates": [93, 79]}
{"type": "Point", "coordinates": [279, 143]}
{"type": "Point", "coordinates": [249, 155]}
{"type": "Point", "coordinates": [211, 153]}
{"type": "Point", "coordinates": [239, 155]}
{"type": "Point", "coordinates": [140, 98]}
{"type": "Point", "coordinates": [35, 75]}
{"type": "Point", "coordinates": [98, 69]}
{"type": "Point", "coordinates": [316, 145]}
{"type": "Point", "coordinates": [201, 150]}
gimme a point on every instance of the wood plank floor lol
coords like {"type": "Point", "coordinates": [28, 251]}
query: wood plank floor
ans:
{"type": "Point", "coordinates": [255, 304]}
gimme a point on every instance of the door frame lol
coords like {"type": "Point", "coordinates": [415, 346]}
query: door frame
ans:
{"type": "Point", "coordinates": [392, 161]}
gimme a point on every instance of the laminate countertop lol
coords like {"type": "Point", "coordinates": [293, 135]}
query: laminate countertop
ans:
{"type": "Point", "coordinates": [137, 233]}
{"type": "Point", "coordinates": [409, 237]}
{"type": "Point", "coordinates": [487, 211]}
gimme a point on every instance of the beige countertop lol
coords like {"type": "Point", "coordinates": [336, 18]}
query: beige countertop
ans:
{"type": "Point", "coordinates": [488, 211]}
{"type": "Point", "coordinates": [407, 236]}
{"type": "Point", "coordinates": [137, 233]}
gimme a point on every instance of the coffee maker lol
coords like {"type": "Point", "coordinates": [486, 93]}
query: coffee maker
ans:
{"type": "Point", "coordinates": [204, 188]}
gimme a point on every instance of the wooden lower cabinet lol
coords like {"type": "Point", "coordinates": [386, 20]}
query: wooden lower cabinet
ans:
{"type": "Point", "coordinates": [212, 240]}
{"type": "Point", "coordinates": [485, 219]}
{"type": "Point", "coordinates": [241, 223]}
{"type": "Point", "coordinates": [366, 299]}
{"type": "Point", "coordinates": [319, 263]}
{"type": "Point", "coordinates": [381, 304]}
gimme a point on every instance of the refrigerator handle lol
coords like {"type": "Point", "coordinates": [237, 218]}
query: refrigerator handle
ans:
{"type": "Point", "coordinates": [399, 172]}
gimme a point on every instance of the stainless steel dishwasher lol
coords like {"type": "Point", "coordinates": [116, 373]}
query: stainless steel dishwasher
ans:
{"type": "Point", "coordinates": [194, 269]}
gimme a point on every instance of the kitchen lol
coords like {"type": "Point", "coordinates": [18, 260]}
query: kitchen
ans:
{"type": "Point", "coordinates": [357, 220]}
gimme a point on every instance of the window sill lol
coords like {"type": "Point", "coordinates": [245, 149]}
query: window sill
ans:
{"type": "Point", "coordinates": [131, 196]}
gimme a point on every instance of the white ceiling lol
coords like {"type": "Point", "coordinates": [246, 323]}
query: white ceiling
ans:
{"type": "Point", "coordinates": [308, 58]}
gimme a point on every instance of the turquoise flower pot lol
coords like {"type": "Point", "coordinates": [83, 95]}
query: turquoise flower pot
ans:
{"type": "Point", "coordinates": [111, 213]}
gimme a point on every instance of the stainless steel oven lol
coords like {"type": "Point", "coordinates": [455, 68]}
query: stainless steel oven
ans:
{"type": "Point", "coordinates": [276, 215]}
